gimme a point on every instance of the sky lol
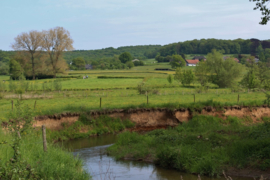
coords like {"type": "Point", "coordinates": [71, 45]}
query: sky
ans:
{"type": "Point", "coordinates": [96, 24]}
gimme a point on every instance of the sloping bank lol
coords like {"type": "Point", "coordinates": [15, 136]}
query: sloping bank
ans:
{"type": "Point", "coordinates": [206, 141]}
{"type": "Point", "coordinates": [142, 118]}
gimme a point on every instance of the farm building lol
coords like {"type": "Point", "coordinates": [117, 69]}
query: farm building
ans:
{"type": "Point", "coordinates": [192, 62]}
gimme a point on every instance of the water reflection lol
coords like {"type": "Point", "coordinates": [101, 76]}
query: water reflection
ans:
{"type": "Point", "coordinates": [101, 166]}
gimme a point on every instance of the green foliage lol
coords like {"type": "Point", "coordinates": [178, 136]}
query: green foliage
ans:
{"type": "Point", "coordinates": [4, 69]}
{"type": "Point", "coordinates": [15, 69]}
{"type": "Point", "coordinates": [187, 77]}
{"type": "Point", "coordinates": [22, 155]}
{"type": "Point", "coordinates": [224, 72]}
{"type": "Point", "coordinates": [262, 6]}
{"type": "Point", "coordinates": [267, 100]}
{"type": "Point", "coordinates": [204, 145]}
{"type": "Point", "coordinates": [57, 85]}
{"type": "Point", "coordinates": [250, 80]}
{"type": "Point", "coordinates": [138, 63]}
{"type": "Point", "coordinates": [118, 77]}
{"type": "Point", "coordinates": [143, 88]}
{"type": "Point", "coordinates": [178, 74]}
{"type": "Point", "coordinates": [201, 73]}
{"type": "Point", "coordinates": [125, 57]}
{"type": "Point", "coordinates": [130, 64]}
{"type": "Point", "coordinates": [170, 78]}
{"type": "Point", "coordinates": [92, 126]}
{"type": "Point", "coordinates": [257, 76]}
{"type": "Point", "coordinates": [177, 61]}
{"type": "Point", "coordinates": [79, 63]}
{"type": "Point", "coordinates": [204, 46]}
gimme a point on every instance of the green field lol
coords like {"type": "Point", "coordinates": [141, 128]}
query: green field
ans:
{"type": "Point", "coordinates": [77, 93]}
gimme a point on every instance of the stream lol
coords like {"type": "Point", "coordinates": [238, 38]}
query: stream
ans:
{"type": "Point", "coordinates": [103, 167]}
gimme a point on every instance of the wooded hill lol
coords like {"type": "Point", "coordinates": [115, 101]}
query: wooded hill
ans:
{"type": "Point", "coordinates": [203, 46]}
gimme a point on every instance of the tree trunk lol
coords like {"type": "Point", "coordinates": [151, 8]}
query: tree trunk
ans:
{"type": "Point", "coordinates": [33, 67]}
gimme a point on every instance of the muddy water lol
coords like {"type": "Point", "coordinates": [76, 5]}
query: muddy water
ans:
{"type": "Point", "coordinates": [101, 166]}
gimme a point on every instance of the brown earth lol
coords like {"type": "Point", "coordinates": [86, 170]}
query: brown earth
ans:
{"type": "Point", "coordinates": [149, 119]}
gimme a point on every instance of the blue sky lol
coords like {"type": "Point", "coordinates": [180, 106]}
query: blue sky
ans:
{"type": "Point", "coordinates": [96, 24]}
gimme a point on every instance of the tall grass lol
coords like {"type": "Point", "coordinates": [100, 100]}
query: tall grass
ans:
{"type": "Point", "coordinates": [57, 163]}
{"type": "Point", "coordinates": [88, 126]}
{"type": "Point", "coordinates": [204, 145]}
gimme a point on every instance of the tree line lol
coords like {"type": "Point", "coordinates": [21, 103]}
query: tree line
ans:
{"type": "Point", "coordinates": [203, 46]}
{"type": "Point", "coordinates": [137, 52]}
{"type": "Point", "coordinates": [122, 61]}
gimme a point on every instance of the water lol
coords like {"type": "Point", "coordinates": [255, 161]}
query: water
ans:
{"type": "Point", "coordinates": [102, 167]}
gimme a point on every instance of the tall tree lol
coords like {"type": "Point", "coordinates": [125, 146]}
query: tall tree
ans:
{"type": "Point", "coordinates": [55, 42]}
{"type": "Point", "coordinates": [177, 61]}
{"type": "Point", "coordinates": [125, 57]}
{"type": "Point", "coordinates": [201, 71]}
{"type": "Point", "coordinates": [224, 72]}
{"type": "Point", "coordinates": [31, 43]}
{"type": "Point", "coordinates": [79, 63]}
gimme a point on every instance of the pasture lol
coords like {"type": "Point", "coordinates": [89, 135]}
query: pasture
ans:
{"type": "Point", "coordinates": [117, 88]}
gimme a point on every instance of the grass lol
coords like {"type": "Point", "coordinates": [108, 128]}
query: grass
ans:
{"type": "Point", "coordinates": [80, 101]}
{"type": "Point", "coordinates": [205, 145]}
{"type": "Point", "coordinates": [57, 163]}
{"type": "Point", "coordinates": [88, 126]}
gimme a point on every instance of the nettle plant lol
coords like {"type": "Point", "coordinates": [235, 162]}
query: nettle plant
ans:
{"type": "Point", "coordinates": [18, 126]}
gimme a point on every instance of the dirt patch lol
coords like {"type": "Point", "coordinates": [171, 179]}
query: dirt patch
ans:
{"type": "Point", "coordinates": [56, 124]}
{"type": "Point", "coordinates": [156, 118]}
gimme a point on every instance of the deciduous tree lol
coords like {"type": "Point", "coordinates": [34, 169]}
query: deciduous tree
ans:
{"type": "Point", "coordinates": [177, 61]}
{"type": "Point", "coordinates": [32, 44]}
{"type": "Point", "coordinates": [15, 69]}
{"type": "Point", "coordinates": [125, 57]}
{"type": "Point", "coordinates": [55, 42]}
{"type": "Point", "coordinates": [170, 78]}
{"type": "Point", "coordinates": [201, 72]}
{"type": "Point", "coordinates": [79, 63]}
{"type": "Point", "coordinates": [224, 72]}
{"type": "Point", "coordinates": [187, 77]}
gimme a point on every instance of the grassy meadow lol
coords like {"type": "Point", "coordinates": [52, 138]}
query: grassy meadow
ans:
{"type": "Point", "coordinates": [117, 88]}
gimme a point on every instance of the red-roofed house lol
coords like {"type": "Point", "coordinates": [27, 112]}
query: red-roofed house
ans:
{"type": "Point", "coordinates": [192, 62]}
{"type": "Point", "coordinates": [237, 60]}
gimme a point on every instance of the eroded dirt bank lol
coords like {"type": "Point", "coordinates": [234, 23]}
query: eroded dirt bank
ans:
{"type": "Point", "coordinates": [149, 119]}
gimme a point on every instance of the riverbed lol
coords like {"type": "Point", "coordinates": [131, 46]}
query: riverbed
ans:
{"type": "Point", "coordinates": [103, 167]}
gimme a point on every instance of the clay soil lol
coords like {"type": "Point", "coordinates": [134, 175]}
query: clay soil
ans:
{"type": "Point", "coordinates": [149, 119]}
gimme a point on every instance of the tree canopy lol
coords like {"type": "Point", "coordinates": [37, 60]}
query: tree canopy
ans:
{"type": "Point", "coordinates": [79, 63]}
{"type": "Point", "coordinates": [125, 57]}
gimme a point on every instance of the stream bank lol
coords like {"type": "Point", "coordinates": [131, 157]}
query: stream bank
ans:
{"type": "Point", "coordinates": [101, 166]}
{"type": "Point", "coordinates": [155, 118]}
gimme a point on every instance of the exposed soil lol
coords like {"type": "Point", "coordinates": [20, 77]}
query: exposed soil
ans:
{"type": "Point", "coordinates": [149, 119]}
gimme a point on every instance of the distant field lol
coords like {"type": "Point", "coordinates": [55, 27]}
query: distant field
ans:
{"type": "Point", "coordinates": [115, 92]}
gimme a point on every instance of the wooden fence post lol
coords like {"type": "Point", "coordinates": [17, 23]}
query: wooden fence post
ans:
{"type": "Point", "coordinates": [35, 104]}
{"type": "Point", "coordinates": [12, 104]}
{"type": "Point", "coordinates": [44, 138]}
{"type": "Point", "coordinates": [100, 102]}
